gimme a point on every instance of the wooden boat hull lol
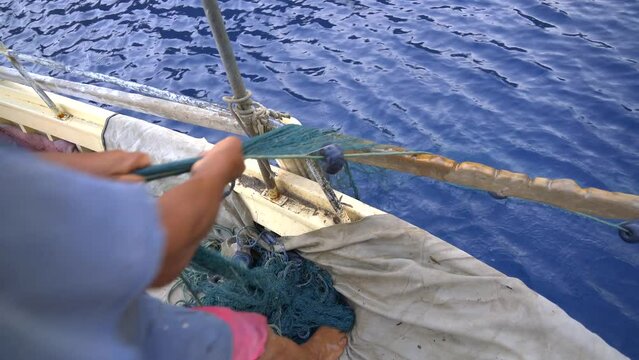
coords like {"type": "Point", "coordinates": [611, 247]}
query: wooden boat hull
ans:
{"type": "Point", "coordinates": [302, 209]}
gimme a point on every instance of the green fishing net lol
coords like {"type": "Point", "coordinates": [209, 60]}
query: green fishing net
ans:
{"type": "Point", "coordinates": [302, 142]}
{"type": "Point", "coordinates": [293, 293]}
{"type": "Point", "coordinates": [294, 141]}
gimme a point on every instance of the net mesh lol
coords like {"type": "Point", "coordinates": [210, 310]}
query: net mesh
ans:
{"type": "Point", "coordinates": [294, 294]}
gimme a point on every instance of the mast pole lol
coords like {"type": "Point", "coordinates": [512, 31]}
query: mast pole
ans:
{"type": "Point", "coordinates": [241, 96]}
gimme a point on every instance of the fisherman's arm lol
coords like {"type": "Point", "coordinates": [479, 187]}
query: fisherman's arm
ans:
{"type": "Point", "coordinates": [115, 164]}
{"type": "Point", "coordinates": [188, 210]}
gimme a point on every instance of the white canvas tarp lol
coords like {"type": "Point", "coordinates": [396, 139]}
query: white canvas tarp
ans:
{"type": "Point", "coordinates": [418, 297]}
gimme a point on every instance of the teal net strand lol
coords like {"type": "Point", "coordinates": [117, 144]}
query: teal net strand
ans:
{"type": "Point", "coordinates": [301, 142]}
{"type": "Point", "coordinates": [294, 294]}
{"type": "Point", "coordinates": [286, 142]}
{"type": "Point", "coordinates": [601, 221]}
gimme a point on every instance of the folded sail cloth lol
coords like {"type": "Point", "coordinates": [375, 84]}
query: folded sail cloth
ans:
{"type": "Point", "coordinates": [418, 297]}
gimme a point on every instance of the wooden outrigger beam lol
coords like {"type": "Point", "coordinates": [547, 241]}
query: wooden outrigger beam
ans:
{"type": "Point", "coordinates": [562, 193]}
{"type": "Point", "coordinates": [206, 117]}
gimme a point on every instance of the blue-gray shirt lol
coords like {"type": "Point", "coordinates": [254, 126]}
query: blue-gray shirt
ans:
{"type": "Point", "coordinates": [77, 253]}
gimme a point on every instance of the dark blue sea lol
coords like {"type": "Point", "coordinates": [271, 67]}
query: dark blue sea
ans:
{"type": "Point", "coordinates": [550, 88]}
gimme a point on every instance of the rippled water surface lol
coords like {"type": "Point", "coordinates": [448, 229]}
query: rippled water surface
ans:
{"type": "Point", "coordinates": [549, 88]}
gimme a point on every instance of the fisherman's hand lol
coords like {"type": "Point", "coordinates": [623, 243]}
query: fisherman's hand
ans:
{"type": "Point", "coordinates": [116, 164]}
{"type": "Point", "coordinates": [225, 161]}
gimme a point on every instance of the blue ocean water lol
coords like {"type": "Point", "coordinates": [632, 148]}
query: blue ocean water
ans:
{"type": "Point", "coordinates": [550, 88]}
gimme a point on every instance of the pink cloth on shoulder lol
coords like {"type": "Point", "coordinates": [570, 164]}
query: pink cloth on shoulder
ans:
{"type": "Point", "coordinates": [35, 142]}
{"type": "Point", "coordinates": [250, 331]}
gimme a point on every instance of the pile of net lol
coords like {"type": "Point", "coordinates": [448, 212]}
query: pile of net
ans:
{"type": "Point", "coordinates": [294, 294]}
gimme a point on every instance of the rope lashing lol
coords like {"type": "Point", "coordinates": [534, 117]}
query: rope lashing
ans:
{"type": "Point", "coordinates": [257, 115]}
{"type": "Point", "coordinates": [232, 104]}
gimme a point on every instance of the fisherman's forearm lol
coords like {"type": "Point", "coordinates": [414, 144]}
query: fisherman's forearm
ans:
{"type": "Point", "coordinates": [187, 213]}
{"type": "Point", "coordinates": [114, 164]}
{"type": "Point", "coordinates": [188, 210]}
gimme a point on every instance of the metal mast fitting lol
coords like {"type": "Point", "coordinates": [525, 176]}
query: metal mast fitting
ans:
{"type": "Point", "coordinates": [245, 112]}
{"type": "Point", "coordinates": [34, 85]}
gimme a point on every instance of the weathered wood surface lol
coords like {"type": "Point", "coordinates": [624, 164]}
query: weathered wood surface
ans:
{"type": "Point", "coordinates": [563, 193]}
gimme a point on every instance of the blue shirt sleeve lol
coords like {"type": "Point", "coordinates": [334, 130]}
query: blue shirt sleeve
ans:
{"type": "Point", "coordinates": [172, 332]}
{"type": "Point", "coordinates": [77, 254]}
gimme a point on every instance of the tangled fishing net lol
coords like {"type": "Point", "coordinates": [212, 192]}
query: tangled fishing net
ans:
{"type": "Point", "coordinates": [294, 294]}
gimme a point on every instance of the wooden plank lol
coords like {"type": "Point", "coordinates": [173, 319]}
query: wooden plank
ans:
{"type": "Point", "coordinates": [295, 217]}
{"type": "Point", "coordinates": [303, 188]}
{"type": "Point", "coordinates": [22, 106]}
{"type": "Point", "coordinates": [288, 219]}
